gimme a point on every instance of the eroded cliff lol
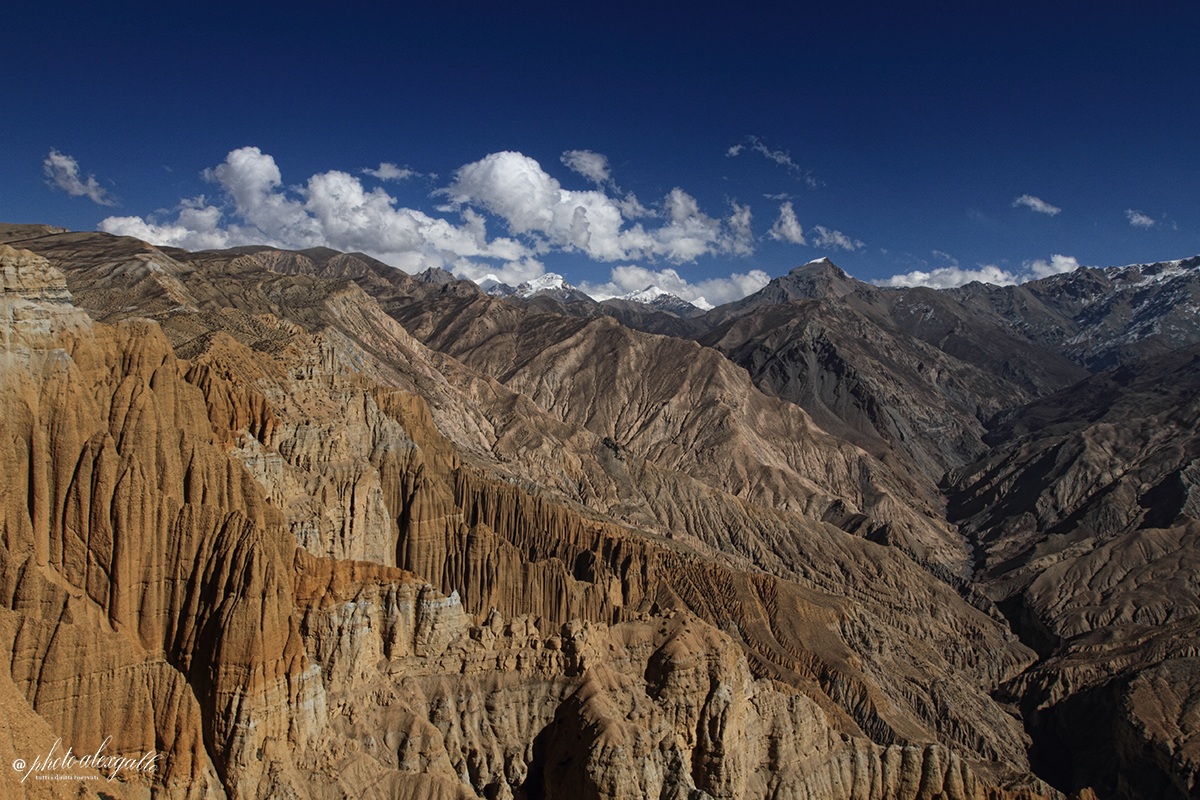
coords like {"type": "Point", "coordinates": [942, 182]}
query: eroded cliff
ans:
{"type": "Point", "coordinates": [273, 536]}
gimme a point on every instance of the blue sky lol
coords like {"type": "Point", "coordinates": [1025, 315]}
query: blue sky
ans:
{"type": "Point", "coordinates": [705, 149]}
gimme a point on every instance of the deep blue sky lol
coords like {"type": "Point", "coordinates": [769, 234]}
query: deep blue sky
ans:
{"type": "Point", "coordinates": [911, 128]}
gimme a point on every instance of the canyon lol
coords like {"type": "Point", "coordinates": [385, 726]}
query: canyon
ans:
{"type": "Point", "coordinates": [308, 526]}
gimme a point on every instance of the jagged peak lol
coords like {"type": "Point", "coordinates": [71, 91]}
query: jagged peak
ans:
{"type": "Point", "coordinates": [1156, 272]}
{"type": "Point", "coordinates": [436, 276]}
{"type": "Point", "coordinates": [818, 279]}
{"type": "Point", "coordinates": [549, 283]}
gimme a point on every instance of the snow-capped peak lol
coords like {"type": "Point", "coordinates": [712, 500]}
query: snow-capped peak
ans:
{"type": "Point", "coordinates": [551, 283]}
{"type": "Point", "coordinates": [490, 282]}
{"type": "Point", "coordinates": [550, 280]}
{"type": "Point", "coordinates": [647, 295]}
{"type": "Point", "coordinates": [660, 298]}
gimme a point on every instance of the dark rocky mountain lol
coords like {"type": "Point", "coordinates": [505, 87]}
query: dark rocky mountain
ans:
{"type": "Point", "coordinates": [915, 372]}
{"type": "Point", "coordinates": [312, 527]}
{"type": "Point", "coordinates": [1100, 318]}
{"type": "Point", "coordinates": [1084, 519]}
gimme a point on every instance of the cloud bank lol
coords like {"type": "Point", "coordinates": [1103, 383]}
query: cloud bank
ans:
{"type": "Point", "coordinates": [252, 205]}
{"type": "Point", "coordinates": [536, 208]}
{"type": "Point", "coordinates": [332, 209]}
{"type": "Point", "coordinates": [714, 291]}
{"type": "Point", "coordinates": [950, 277]}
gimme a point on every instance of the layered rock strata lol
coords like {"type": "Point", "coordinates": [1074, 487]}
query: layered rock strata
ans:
{"type": "Point", "coordinates": [159, 552]}
{"type": "Point", "coordinates": [311, 556]}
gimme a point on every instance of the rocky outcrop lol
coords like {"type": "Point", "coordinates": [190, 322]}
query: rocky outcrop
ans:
{"type": "Point", "coordinates": [657, 706]}
{"type": "Point", "coordinates": [34, 301]}
{"type": "Point", "coordinates": [104, 464]}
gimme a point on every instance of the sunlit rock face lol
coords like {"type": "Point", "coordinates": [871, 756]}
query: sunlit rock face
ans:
{"type": "Point", "coordinates": [308, 527]}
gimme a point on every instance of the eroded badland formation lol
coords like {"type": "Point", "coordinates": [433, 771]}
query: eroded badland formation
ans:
{"type": "Point", "coordinates": [308, 527]}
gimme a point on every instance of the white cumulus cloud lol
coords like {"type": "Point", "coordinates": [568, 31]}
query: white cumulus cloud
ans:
{"type": "Point", "coordinates": [1139, 220]}
{"type": "Point", "coordinates": [63, 171]}
{"type": "Point", "coordinates": [1036, 204]}
{"type": "Point", "coordinates": [787, 228]}
{"type": "Point", "coordinates": [332, 209]}
{"type": "Point", "coordinates": [197, 226]}
{"type": "Point", "coordinates": [534, 205]}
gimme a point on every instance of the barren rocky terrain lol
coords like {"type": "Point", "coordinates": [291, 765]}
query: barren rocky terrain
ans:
{"type": "Point", "coordinates": [310, 527]}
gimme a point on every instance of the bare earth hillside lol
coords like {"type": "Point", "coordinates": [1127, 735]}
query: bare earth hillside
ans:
{"type": "Point", "coordinates": [306, 526]}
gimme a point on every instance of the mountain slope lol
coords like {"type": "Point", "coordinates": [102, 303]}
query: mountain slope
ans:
{"type": "Point", "coordinates": [911, 372]}
{"type": "Point", "coordinates": [337, 436]}
{"type": "Point", "coordinates": [1086, 523]}
{"type": "Point", "coordinates": [685, 408]}
{"type": "Point", "coordinates": [1100, 318]}
{"type": "Point", "coordinates": [292, 505]}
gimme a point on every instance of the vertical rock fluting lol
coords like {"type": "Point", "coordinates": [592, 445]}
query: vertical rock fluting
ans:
{"type": "Point", "coordinates": [148, 578]}
{"type": "Point", "coordinates": [151, 587]}
{"type": "Point", "coordinates": [504, 544]}
{"type": "Point", "coordinates": [659, 706]}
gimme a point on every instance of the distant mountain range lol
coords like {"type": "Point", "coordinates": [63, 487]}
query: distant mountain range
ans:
{"type": "Point", "coordinates": [309, 526]}
{"type": "Point", "coordinates": [554, 286]}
